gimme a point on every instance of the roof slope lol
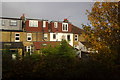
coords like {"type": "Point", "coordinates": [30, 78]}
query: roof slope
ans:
{"type": "Point", "coordinates": [76, 30]}
{"type": "Point", "coordinates": [43, 44]}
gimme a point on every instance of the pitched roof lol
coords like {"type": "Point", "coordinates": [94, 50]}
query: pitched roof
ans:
{"type": "Point", "coordinates": [76, 30]}
{"type": "Point", "coordinates": [87, 44]}
{"type": "Point", "coordinates": [10, 18]}
{"type": "Point", "coordinates": [11, 30]}
{"type": "Point", "coordinates": [42, 44]}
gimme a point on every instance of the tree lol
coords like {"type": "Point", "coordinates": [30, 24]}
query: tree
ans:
{"type": "Point", "coordinates": [104, 32]}
{"type": "Point", "coordinates": [62, 50]}
{"type": "Point", "coordinates": [66, 50]}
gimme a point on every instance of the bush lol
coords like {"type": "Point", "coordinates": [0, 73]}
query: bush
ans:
{"type": "Point", "coordinates": [57, 65]}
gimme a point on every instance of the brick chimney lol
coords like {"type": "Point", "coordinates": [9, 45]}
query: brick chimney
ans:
{"type": "Point", "coordinates": [22, 17]}
{"type": "Point", "coordinates": [23, 21]}
{"type": "Point", "coordinates": [66, 20]}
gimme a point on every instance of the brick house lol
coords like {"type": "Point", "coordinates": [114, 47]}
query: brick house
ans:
{"type": "Point", "coordinates": [34, 32]}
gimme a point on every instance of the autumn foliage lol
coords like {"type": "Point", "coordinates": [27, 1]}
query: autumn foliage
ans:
{"type": "Point", "coordinates": [103, 32]}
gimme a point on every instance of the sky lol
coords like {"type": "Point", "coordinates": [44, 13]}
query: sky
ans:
{"type": "Point", "coordinates": [52, 11]}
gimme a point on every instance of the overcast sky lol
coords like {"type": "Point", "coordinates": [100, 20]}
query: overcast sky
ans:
{"type": "Point", "coordinates": [74, 11]}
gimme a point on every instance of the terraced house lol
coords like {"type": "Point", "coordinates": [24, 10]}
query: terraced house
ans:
{"type": "Point", "coordinates": [29, 35]}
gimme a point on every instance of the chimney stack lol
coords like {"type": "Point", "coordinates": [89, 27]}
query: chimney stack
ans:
{"type": "Point", "coordinates": [65, 20]}
{"type": "Point", "coordinates": [22, 17]}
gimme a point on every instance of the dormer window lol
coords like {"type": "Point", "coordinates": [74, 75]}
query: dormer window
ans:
{"type": "Point", "coordinates": [44, 23]}
{"type": "Point", "coordinates": [64, 26]}
{"type": "Point", "coordinates": [3, 23]}
{"type": "Point", "coordinates": [33, 23]}
{"type": "Point", "coordinates": [55, 24]}
{"type": "Point", "coordinates": [13, 23]}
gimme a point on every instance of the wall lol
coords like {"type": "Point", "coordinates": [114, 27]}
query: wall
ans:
{"type": "Point", "coordinates": [5, 36]}
{"type": "Point", "coordinates": [10, 36]}
{"type": "Point", "coordinates": [59, 37]}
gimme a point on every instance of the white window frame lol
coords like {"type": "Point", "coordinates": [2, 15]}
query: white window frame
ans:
{"type": "Point", "coordinates": [76, 37]}
{"type": "Point", "coordinates": [64, 27]}
{"type": "Point", "coordinates": [33, 23]}
{"type": "Point", "coordinates": [17, 37]}
{"type": "Point", "coordinates": [44, 24]}
{"type": "Point", "coordinates": [44, 44]}
{"type": "Point", "coordinates": [45, 36]}
{"type": "Point", "coordinates": [29, 35]}
{"type": "Point", "coordinates": [13, 22]}
{"type": "Point", "coordinates": [55, 24]}
{"type": "Point", "coordinates": [3, 22]}
{"type": "Point", "coordinates": [27, 48]}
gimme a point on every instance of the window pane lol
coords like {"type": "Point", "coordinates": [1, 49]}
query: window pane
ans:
{"type": "Point", "coordinates": [55, 24]}
{"type": "Point", "coordinates": [44, 23]}
{"type": "Point", "coordinates": [54, 36]}
{"type": "Point", "coordinates": [28, 34]}
{"type": "Point", "coordinates": [76, 37]}
{"type": "Point", "coordinates": [3, 23]}
{"type": "Point", "coordinates": [13, 23]}
{"type": "Point", "coordinates": [33, 23]}
{"type": "Point", "coordinates": [16, 34]}
{"type": "Point", "coordinates": [66, 27]}
{"type": "Point", "coordinates": [28, 50]}
{"type": "Point", "coordinates": [45, 36]}
{"type": "Point", "coordinates": [63, 27]}
{"type": "Point", "coordinates": [44, 44]}
{"type": "Point", "coordinates": [29, 38]}
{"type": "Point", "coordinates": [68, 37]}
{"type": "Point", "coordinates": [17, 38]}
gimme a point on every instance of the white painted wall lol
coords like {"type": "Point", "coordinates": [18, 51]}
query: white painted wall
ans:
{"type": "Point", "coordinates": [59, 37]}
{"type": "Point", "coordinates": [82, 47]}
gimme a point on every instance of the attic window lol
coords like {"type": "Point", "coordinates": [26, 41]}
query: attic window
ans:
{"type": "Point", "coordinates": [55, 24]}
{"type": "Point", "coordinates": [65, 27]}
{"type": "Point", "coordinates": [44, 23]}
{"type": "Point", "coordinates": [33, 23]}
{"type": "Point", "coordinates": [13, 23]}
{"type": "Point", "coordinates": [3, 22]}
